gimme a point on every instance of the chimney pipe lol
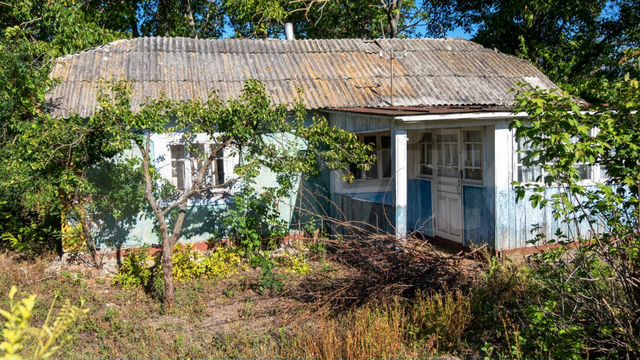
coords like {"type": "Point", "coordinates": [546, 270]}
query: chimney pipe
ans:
{"type": "Point", "coordinates": [288, 31]}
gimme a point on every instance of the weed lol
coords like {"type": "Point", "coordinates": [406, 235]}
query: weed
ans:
{"type": "Point", "coordinates": [269, 280]}
{"type": "Point", "coordinates": [293, 264]}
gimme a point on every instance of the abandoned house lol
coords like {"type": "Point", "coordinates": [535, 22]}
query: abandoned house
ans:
{"type": "Point", "coordinates": [436, 110]}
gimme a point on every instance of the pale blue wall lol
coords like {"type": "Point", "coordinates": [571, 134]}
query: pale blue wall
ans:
{"type": "Point", "coordinates": [524, 222]}
{"type": "Point", "coordinates": [139, 229]}
{"type": "Point", "coordinates": [479, 215]}
{"type": "Point", "coordinates": [368, 211]}
{"type": "Point", "coordinates": [420, 207]}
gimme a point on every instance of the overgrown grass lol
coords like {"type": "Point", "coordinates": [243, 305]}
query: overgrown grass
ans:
{"type": "Point", "coordinates": [506, 314]}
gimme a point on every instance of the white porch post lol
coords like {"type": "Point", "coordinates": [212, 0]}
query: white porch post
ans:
{"type": "Point", "coordinates": [503, 156]}
{"type": "Point", "coordinates": [399, 142]}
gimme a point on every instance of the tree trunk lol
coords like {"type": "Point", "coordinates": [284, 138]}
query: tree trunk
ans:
{"type": "Point", "coordinates": [133, 20]}
{"type": "Point", "coordinates": [167, 269]}
{"type": "Point", "coordinates": [167, 240]}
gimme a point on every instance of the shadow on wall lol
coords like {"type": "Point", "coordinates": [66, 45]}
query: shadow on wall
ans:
{"type": "Point", "coordinates": [118, 202]}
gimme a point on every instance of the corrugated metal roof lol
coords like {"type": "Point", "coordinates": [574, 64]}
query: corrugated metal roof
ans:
{"type": "Point", "coordinates": [344, 73]}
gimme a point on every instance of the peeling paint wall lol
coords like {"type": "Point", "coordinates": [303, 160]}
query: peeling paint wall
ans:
{"type": "Point", "coordinates": [203, 218]}
{"type": "Point", "coordinates": [479, 216]}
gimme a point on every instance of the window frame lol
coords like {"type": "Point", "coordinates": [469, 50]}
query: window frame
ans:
{"type": "Point", "coordinates": [191, 164]}
{"type": "Point", "coordinates": [593, 178]}
{"type": "Point", "coordinates": [378, 165]}
{"type": "Point", "coordinates": [422, 155]}
{"type": "Point", "coordinates": [481, 143]}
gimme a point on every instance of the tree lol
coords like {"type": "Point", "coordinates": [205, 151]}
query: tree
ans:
{"type": "Point", "coordinates": [316, 19]}
{"type": "Point", "coordinates": [266, 136]}
{"type": "Point", "coordinates": [596, 282]}
{"type": "Point", "coordinates": [39, 175]}
{"type": "Point", "coordinates": [575, 43]}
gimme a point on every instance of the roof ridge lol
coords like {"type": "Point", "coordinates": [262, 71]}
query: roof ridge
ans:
{"type": "Point", "coordinates": [115, 43]}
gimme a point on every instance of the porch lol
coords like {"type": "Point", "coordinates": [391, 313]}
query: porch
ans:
{"type": "Point", "coordinates": [435, 175]}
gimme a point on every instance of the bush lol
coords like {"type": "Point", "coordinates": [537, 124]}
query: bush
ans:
{"type": "Point", "coordinates": [252, 221]}
{"type": "Point", "coordinates": [294, 264]}
{"type": "Point", "coordinates": [21, 340]}
{"type": "Point", "coordinates": [139, 269]}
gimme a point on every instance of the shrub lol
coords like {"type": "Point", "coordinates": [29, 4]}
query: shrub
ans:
{"type": "Point", "coordinates": [269, 280]}
{"type": "Point", "coordinates": [295, 264]}
{"type": "Point", "coordinates": [139, 269]}
{"type": "Point", "coordinates": [253, 220]}
{"type": "Point", "coordinates": [46, 341]}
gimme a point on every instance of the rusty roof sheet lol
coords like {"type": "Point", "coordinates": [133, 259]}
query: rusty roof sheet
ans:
{"type": "Point", "coordinates": [345, 73]}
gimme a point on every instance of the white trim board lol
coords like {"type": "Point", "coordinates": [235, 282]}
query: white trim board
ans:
{"type": "Point", "coordinates": [461, 116]}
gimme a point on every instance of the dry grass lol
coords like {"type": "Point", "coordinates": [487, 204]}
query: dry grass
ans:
{"type": "Point", "coordinates": [227, 319]}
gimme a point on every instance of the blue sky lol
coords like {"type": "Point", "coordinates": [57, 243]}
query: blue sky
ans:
{"type": "Point", "coordinates": [459, 33]}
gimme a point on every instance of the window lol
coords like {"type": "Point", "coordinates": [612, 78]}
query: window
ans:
{"type": "Point", "coordinates": [535, 173]}
{"type": "Point", "coordinates": [381, 168]}
{"type": "Point", "coordinates": [187, 161]}
{"type": "Point", "coordinates": [448, 164]}
{"type": "Point", "coordinates": [526, 173]}
{"type": "Point", "coordinates": [217, 167]}
{"type": "Point", "coordinates": [473, 154]}
{"type": "Point", "coordinates": [385, 156]}
{"type": "Point", "coordinates": [178, 166]}
{"type": "Point", "coordinates": [584, 170]}
{"type": "Point", "coordinates": [426, 154]}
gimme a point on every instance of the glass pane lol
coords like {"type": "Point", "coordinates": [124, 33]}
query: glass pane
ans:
{"type": "Point", "coordinates": [385, 158]}
{"type": "Point", "coordinates": [473, 136]}
{"type": "Point", "coordinates": [468, 161]}
{"type": "Point", "coordinates": [371, 140]}
{"type": "Point", "coordinates": [177, 151]}
{"type": "Point", "coordinates": [385, 142]}
{"type": "Point", "coordinates": [447, 138]}
{"type": "Point", "coordinates": [373, 172]}
{"type": "Point", "coordinates": [426, 170]}
{"type": "Point", "coordinates": [473, 174]}
{"type": "Point", "coordinates": [178, 174]}
{"type": "Point", "coordinates": [219, 171]}
{"type": "Point", "coordinates": [427, 138]}
{"type": "Point", "coordinates": [453, 148]}
{"type": "Point", "coordinates": [357, 173]}
{"type": "Point", "coordinates": [585, 172]}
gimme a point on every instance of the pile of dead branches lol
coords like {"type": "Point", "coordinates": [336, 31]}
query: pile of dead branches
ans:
{"type": "Point", "coordinates": [380, 266]}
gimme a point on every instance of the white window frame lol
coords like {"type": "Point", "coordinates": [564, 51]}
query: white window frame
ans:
{"type": "Point", "coordinates": [423, 145]}
{"type": "Point", "coordinates": [378, 166]}
{"type": "Point", "coordinates": [593, 171]}
{"type": "Point", "coordinates": [481, 143]}
{"type": "Point", "coordinates": [191, 164]}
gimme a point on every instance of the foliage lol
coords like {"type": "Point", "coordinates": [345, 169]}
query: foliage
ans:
{"type": "Point", "coordinates": [252, 220]}
{"type": "Point", "coordinates": [587, 296]}
{"type": "Point", "coordinates": [266, 136]}
{"type": "Point", "coordinates": [191, 264]}
{"type": "Point", "coordinates": [17, 331]}
{"type": "Point", "coordinates": [294, 264]}
{"type": "Point", "coordinates": [136, 270]}
{"type": "Point", "coordinates": [269, 280]}
{"type": "Point", "coordinates": [574, 43]}
{"type": "Point", "coordinates": [139, 269]}
{"type": "Point", "coordinates": [41, 159]}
